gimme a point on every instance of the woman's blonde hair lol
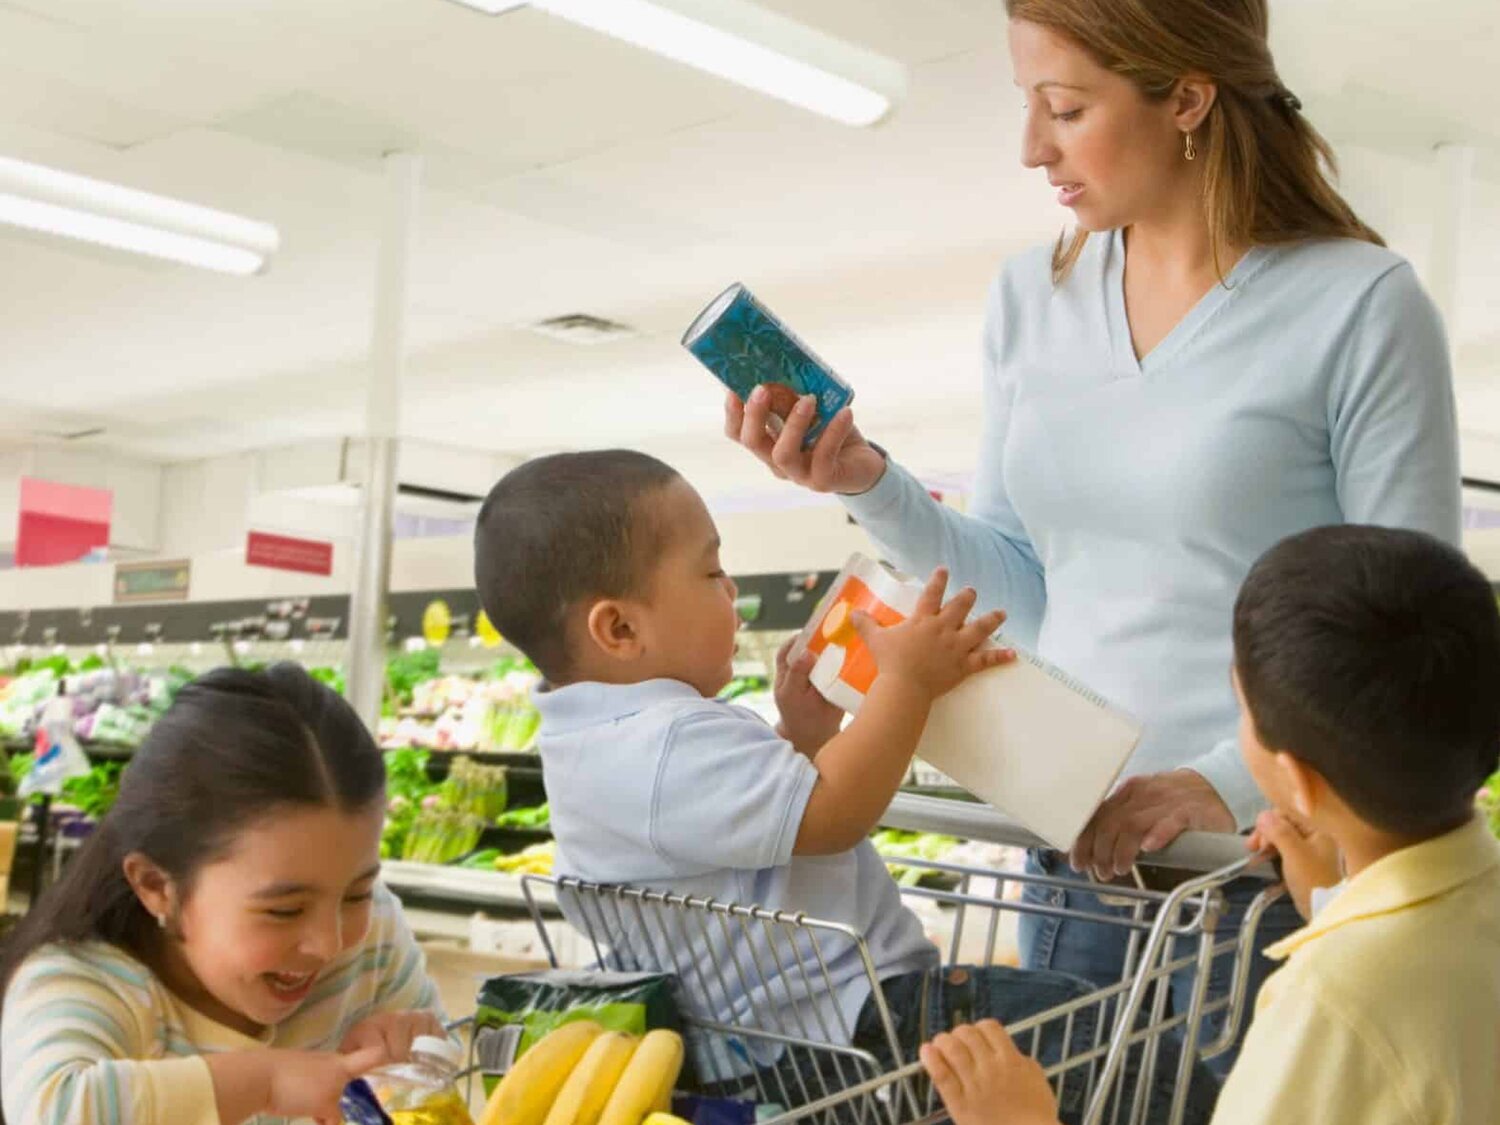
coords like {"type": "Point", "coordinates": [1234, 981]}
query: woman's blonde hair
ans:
{"type": "Point", "coordinates": [1268, 174]}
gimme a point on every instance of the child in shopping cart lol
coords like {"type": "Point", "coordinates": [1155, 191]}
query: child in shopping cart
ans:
{"type": "Point", "coordinates": [1367, 663]}
{"type": "Point", "coordinates": [603, 567]}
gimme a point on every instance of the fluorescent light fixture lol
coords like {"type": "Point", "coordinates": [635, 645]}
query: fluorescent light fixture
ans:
{"type": "Point", "coordinates": [747, 44]}
{"type": "Point", "coordinates": [61, 203]}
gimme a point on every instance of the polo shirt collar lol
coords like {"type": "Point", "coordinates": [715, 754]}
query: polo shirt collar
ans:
{"type": "Point", "coordinates": [1403, 879]}
{"type": "Point", "coordinates": [590, 703]}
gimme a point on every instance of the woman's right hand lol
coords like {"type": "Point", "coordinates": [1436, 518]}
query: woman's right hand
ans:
{"type": "Point", "coordinates": [841, 460]}
{"type": "Point", "coordinates": [936, 648]}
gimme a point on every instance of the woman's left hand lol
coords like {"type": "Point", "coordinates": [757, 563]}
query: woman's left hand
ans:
{"type": "Point", "coordinates": [394, 1031]}
{"type": "Point", "coordinates": [1145, 815]}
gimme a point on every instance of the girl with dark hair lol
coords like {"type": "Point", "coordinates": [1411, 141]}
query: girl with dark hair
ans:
{"type": "Point", "coordinates": [220, 949]}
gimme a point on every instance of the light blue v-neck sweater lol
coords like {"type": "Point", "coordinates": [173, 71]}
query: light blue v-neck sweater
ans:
{"type": "Point", "coordinates": [1118, 504]}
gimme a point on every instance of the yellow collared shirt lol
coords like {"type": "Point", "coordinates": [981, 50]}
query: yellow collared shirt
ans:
{"type": "Point", "coordinates": [1388, 1008]}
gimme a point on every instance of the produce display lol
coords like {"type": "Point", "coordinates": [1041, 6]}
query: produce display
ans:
{"type": "Point", "coordinates": [893, 843]}
{"type": "Point", "coordinates": [1489, 803]}
{"type": "Point", "coordinates": [110, 705]}
{"type": "Point", "coordinates": [490, 712]}
{"type": "Point", "coordinates": [540, 816]}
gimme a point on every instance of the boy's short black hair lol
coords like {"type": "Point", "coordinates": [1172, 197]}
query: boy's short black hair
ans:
{"type": "Point", "coordinates": [1373, 655]}
{"type": "Point", "coordinates": [559, 529]}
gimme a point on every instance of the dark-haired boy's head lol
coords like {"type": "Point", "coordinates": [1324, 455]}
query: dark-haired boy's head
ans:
{"type": "Point", "coordinates": [561, 529]}
{"type": "Point", "coordinates": [1372, 656]}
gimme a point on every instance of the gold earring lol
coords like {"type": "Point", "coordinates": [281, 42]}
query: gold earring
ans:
{"type": "Point", "coordinates": [1189, 150]}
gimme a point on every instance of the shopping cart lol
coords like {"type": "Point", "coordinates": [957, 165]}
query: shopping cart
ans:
{"type": "Point", "coordinates": [748, 978]}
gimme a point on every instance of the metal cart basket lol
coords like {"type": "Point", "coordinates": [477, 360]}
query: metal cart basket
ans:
{"type": "Point", "coordinates": [749, 979]}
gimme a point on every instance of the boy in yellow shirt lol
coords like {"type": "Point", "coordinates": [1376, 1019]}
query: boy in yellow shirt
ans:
{"type": "Point", "coordinates": [1367, 665]}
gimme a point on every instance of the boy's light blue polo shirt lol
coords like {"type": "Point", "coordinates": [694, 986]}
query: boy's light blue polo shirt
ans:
{"type": "Point", "coordinates": [654, 786]}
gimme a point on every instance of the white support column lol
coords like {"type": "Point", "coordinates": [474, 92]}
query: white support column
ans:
{"type": "Point", "coordinates": [367, 606]}
{"type": "Point", "coordinates": [1455, 172]}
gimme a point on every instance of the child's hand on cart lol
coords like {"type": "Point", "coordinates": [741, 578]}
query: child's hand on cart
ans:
{"type": "Point", "coordinates": [984, 1079]}
{"type": "Point", "coordinates": [1309, 859]}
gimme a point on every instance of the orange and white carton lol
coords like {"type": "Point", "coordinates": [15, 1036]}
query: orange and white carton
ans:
{"type": "Point", "coordinates": [1025, 737]}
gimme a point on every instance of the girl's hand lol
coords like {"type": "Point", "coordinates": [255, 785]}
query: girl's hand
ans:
{"type": "Point", "coordinates": [840, 461]}
{"type": "Point", "coordinates": [984, 1080]}
{"type": "Point", "coordinates": [934, 648]}
{"type": "Point", "coordinates": [286, 1083]}
{"type": "Point", "coordinates": [392, 1031]}
{"type": "Point", "coordinates": [807, 719]}
{"type": "Point", "coordinates": [1309, 859]}
{"type": "Point", "coordinates": [308, 1083]}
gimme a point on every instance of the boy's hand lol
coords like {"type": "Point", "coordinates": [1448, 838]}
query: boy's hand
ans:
{"type": "Point", "coordinates": [807, 719]}
{"type": "Point", "coordinates": [933, 648]}
{"type": "Point", "coordinates": [1309, 859]}
{"type": "Point", "coordinates": [393, 1032]}
{"type": "Point", "coordinates": [984, 1080]}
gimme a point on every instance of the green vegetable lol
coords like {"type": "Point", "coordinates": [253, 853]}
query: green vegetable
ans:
{"type": "Point", "coordinates": [406, 670]}
{"type": "Point", "coordinates": [744, 685]}
{"type": "Point", "coordinates": [538, 817]}
{"type": "Point", "coordinates": [331, 677]}
{"type": "Point", "coordinates": [893, 843]}
{"type": "Point", "coordinates": [406, 786]}
{"type": "Point", "coordinates": [482, 860]}
{"type": "Point", "coordinates": [94, 793]}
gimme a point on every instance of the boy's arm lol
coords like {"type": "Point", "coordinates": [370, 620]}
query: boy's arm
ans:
{"type": "Point", "coordinates": [859, 770]}
{"type": "Point", "coordinates": [861, 767]}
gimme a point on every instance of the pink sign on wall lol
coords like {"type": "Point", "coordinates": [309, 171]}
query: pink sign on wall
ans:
{"type": "Point", "coordinates": [61, 523]}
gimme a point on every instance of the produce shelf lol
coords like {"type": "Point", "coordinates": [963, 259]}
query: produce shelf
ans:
{"type": "Point", "coordinates": [461, 885]}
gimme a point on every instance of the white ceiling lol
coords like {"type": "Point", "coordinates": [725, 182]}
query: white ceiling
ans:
{"type": "Point", "coordinates": [565, 172]}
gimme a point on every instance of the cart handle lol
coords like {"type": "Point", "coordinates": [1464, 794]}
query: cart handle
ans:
{"type": "Point", "coordinates": [1192, 851]}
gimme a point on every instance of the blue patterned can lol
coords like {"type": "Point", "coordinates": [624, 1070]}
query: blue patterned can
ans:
{"type": "Point", "coordinates": [745, 345]}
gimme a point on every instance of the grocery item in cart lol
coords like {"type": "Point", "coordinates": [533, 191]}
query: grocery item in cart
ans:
{"type": "Point", "coordinates": [584, 1074]}
{"type": "Point", "coordinates": [1026, 737]}
{"type": "Point", "coordinates": [518, 1010]}
{"type": "Point", "coordinates": [423, 1091]}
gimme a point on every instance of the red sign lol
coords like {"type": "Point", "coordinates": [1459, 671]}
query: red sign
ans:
{"type": "Point", "coordinates": [281, 552]}
{"type": "Point", "coordinates": [60, 523]}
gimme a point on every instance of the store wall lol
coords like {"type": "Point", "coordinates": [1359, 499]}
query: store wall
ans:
{"type": "Point", "coordinates": [136, 484]}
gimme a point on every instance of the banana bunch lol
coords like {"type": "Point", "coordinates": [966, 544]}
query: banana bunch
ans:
{"type": "Point", "coordinates": [581, 1074]}
{"type": "Point", "coordinates": [535, 860]}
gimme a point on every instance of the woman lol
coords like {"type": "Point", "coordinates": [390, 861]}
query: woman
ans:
{"type": "Point", "coordinates": [1221, 355]}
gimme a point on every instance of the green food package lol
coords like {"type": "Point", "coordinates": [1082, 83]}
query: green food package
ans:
{"type": "Point", "coordinates": [518, 1009]}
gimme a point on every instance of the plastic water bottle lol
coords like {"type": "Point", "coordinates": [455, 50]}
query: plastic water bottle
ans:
{"type": "Point", "coordinates": [425, 1090]}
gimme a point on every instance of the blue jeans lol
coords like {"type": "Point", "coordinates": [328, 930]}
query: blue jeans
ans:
{"type": "Point", "coordinates": [922, 1004]}
{"type": "Point", "coordinates": [1096, 951]}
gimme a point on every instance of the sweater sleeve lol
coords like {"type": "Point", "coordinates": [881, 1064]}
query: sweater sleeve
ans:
{"type": "Point", "coordinates": [987, 548]}
{"type": "Point", "coordinates": [1391, 415]}
{"type": "Point", "coordinates": [403, 984]}
{"type": "Point", "coordinates": [76, 1049]}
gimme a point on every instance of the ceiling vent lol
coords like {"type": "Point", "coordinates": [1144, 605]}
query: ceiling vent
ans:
{"type": "Point", "coordinates": [581, 328]}
{"type": "Point", "coordinates": [66, 435]}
